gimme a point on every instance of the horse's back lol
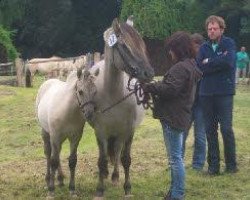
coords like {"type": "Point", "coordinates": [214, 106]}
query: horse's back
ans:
{"type": "Point", "coordinates": [47, 91]}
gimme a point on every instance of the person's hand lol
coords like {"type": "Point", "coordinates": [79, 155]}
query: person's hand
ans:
{"type": "Point", "coordinates": [205, 61]}
{"type": "Point", "coordinates": [147, 87]}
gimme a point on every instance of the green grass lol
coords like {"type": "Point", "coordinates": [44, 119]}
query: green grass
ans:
{"type": "Point", "coordinates": [23, 165]}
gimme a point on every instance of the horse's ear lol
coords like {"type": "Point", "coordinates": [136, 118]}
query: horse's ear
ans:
{"type": "Point", "coordinates": [97, 71]}
{"type": "Point", "coordinates": [130, 21]}
{"type": "Point", "coordinates": [79, 73]}
{"type": "Point", "coordinates": [116, 26]}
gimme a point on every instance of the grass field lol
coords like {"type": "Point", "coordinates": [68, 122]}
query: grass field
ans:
{"type": "Point", "coordinates": [22, 162]}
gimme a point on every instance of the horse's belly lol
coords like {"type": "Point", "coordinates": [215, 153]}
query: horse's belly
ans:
{"type": "Point", "coordinates": [117, 123]}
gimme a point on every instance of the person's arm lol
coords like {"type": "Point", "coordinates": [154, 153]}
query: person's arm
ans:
{"type": "Point", "coordinates": [221, 62]}
{"type": "Point", "coordinates": [247, 58]}
{"type": "Point", "coordinates": [171, 85]}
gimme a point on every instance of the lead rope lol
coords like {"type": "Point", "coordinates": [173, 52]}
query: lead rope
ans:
{"type": "Point", "coordinates": [141, 97]}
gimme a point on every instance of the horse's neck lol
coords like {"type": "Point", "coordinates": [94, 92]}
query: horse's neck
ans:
{"type": "Point", "coordinates": [70, 88]}
{"type": "Point", "coordinates": [113, 77]}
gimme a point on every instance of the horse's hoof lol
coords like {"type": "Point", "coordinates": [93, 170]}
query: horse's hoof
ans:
{"type": "Point", "coordinates": [50, 195]}
{"type": "Point", "coordinates": [98, 198]}
{"type": "Point", "coordinates": [128, 196]}
{"type": "Point", "coordinates": [60, 184]}
{"type": "Point", "coordinates": [73, 194]}
{"type": "Point", "coordinates": [115, 183]}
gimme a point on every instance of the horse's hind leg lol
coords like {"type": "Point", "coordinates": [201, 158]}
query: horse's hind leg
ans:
{"type": "Point", "coordinates": [47, 152]}
{"type": "Point", "coordinates": [72, 162]}
{"type": "Point", "coordinates": [126, 162]}
{"type": "Point", "coordinates": [102, 165]}
{"type": "Point", "coordinates": [54, 163]}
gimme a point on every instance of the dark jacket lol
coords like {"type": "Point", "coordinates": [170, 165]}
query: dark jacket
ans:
{"type": "Point", "coordinates": [174, 95]}
{"type": "Point", "coordinates": [219, 73]}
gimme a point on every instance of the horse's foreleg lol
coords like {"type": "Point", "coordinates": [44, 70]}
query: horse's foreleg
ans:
{"type": "Point", "coordinates": [103, 166]}
{"type": "Point", "coordinates": [60, 175]}
{"type": "Point", "coordinates": [72, 162]}
{"type": "Point", "coordinates": [47, 152]}
{"type": "Point", "coordinates": [117, 150]}
{"type": "Point", "coordinates": [126, 162]}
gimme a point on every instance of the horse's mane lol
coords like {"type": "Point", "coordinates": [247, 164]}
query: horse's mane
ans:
{"type": "Point", "coordinates": [72, 76]}
{"type": "Point", "coordinates": [132, 39]}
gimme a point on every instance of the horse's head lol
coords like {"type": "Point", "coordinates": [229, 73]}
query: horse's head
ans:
{"type": "Point", "coordinates": [86, 91]}
{"type": "Point", "coordinates": [129, 51]}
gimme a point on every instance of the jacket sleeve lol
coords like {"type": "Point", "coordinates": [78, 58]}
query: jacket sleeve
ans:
{"type": "Point", "coordinates": [172, 83]}
{"type": "Point", "coordinates": [224, 61]}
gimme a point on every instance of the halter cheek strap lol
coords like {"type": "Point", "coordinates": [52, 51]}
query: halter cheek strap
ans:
{"type": "Point", "coordinates": [125, 53]}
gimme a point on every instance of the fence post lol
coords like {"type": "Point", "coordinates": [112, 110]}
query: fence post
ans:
{"type": "Point", "coordinates": [97, 57]}
{"type": "Point", "coordinates": [20, 70]}
{"type": "Point", "coordinates": [28, 79]}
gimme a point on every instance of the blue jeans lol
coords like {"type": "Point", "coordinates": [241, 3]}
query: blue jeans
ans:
{"type": "Point", "coordinates": [218, 110]}
{"type": "Point", "coordinates": [173, 141]}
{"type": "Point", "coordinates": [199, 154]}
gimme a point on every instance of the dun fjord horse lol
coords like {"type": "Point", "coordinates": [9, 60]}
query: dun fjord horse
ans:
{"type": "Point", "coordinates": [62, 109]}
{"type": "Point", "coordinates": [125, 57]}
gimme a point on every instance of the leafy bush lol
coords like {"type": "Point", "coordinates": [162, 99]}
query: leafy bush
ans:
{"type": "Point", "coordinates": [5, 40]}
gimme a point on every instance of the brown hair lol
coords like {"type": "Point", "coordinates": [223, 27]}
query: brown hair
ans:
{"type": "Point", "coordinates": [197, 38]}
{"type": "Point", "coordinates": [181, 44]}
{"type": "Point", "coordinates": [217, 19]}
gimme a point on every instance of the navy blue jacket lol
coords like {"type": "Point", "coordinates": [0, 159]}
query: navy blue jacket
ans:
{"type": "Point", "coordinates": [219, 72]}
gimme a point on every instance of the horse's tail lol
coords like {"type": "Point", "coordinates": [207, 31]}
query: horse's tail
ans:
{"type": "Point", "coordinates": [111, 149]}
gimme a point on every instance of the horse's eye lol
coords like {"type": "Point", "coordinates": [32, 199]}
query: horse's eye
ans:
{"type": "Point", "coordinates": [80, 92]}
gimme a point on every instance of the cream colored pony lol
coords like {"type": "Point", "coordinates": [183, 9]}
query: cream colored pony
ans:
{"type": "Point", "coordinates": [62, 109]}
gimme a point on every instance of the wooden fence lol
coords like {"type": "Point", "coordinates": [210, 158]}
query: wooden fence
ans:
{"type": "Point", "coordinates": [7, 69]}
{"type": "Point", "coordinates": [21, 77]}
{"type": "Point", "coordinates": [14, 73]}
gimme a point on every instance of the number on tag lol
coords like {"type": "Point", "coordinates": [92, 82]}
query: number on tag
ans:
{"type": "Point", "coordinates": [112, 40]}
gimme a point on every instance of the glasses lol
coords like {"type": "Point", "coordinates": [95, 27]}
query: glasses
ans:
{"type": "Point", "coordinates": [213, 29]}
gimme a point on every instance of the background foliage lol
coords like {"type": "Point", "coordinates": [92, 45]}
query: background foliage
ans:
{"type": "Point", "coordinates": [7, 49]}
{"type": "Point", "coordinates": [72, 27]}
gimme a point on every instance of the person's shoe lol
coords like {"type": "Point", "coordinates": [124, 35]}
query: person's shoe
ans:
{"type": "Point", "coordinates": [231, 170]}
{"type": "Point", "coordinates": [167, 196]}
{"type": "Point", "coordinates": [198, 169]}
{"type": "Point", "coordinates": [212, 172]}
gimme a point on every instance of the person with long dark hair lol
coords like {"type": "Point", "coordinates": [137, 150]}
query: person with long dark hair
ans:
{"type": "Point", "coordinates": [173, 98]}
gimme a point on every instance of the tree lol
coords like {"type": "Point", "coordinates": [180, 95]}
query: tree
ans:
{"type": "Point", "coordinates": [7, 49]}
{"type": "Point", "coordinates": [155, 19]}
{"type": "Point", "coordinates": [11, 11]}
{"type": "Point", "coordinates": [64, 27]}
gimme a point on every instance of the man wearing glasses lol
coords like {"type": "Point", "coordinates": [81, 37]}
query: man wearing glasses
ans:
{"type": "Point", "coordinates": [216, 59]}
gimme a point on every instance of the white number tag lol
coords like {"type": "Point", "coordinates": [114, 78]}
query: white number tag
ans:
{"type": "Point", "coordinates": [112, 40]}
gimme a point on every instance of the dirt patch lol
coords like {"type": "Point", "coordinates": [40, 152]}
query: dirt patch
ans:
{"type": "Point", "coordinates": [7, 93]}
{"type": "Point", "coordinates": [10, 81]}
